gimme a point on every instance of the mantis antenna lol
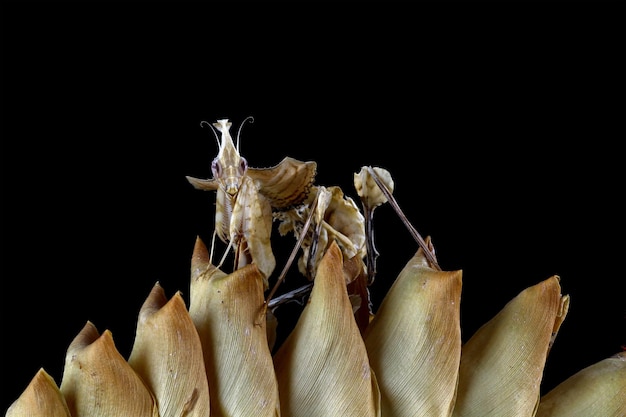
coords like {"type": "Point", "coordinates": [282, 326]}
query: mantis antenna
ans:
{"type": "Point", "coordinates": [205, 123]}
{"type": "Point", "coordinates": [240, 126]}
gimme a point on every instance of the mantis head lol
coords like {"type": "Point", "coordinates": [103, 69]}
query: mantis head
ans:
{"type": "Point", "coordinates": [228, 167]}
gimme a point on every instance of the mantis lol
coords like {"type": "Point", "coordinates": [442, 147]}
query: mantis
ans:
{"type": "Point", "coordinates": [249, 199]}
{"type": "Point", "coordinates": [247, 196]}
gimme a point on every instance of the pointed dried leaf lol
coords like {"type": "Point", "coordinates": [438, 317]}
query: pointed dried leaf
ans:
{"type": "Point", "coordinates": [167, 354]}
{"type": "Point", "coordinates": [322, 367]}
{"type": "Point", "coordinates": [414, 341]}
{"type": "Point", "coordinates": [597, 390]}
{"type": "Point", "coordinates": [228, 311]}
{"type": "Point", "coordinates": [42, 397]}
{"type": "Point", "coordinates": [502, 363]}
{"type": "Point", "coordinates": [97, 381]}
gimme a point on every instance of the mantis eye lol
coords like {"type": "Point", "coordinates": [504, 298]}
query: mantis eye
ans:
{"type": "Point", "coordinates": [216, 168]}
{"type": "Point", "coordinates": [243, 165]}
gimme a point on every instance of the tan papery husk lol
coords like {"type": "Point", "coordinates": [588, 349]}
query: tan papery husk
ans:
{"type": "Point", "coordinates": [414, 341]}
{"type": "Point", "coordinates": [597, 390]}
{"type": "Point", "coordinates": [502, 363]}
{"type": "Point", "coordinates": [322, 367]}
{"type": "Point", "coordinates": [167, 354]}
{"type": "Point", "coordinates": [228, 311]}
{"type": "Point", "coordinates": [41, 397]}
{"type": "Point", "coordinates": [97, 381]}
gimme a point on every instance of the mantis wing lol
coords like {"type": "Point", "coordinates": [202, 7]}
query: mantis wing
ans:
{"type": "Point", "coordinates": [286, 184]}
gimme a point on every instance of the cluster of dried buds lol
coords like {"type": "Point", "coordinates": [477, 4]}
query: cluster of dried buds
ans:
{"type": "Point", "coordinates": [214, 357]}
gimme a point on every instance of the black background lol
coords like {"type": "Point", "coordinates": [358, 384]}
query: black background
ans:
{"type": "Point", "coordinates": [501, 124]}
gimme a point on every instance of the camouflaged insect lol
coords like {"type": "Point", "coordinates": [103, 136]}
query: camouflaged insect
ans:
{"type": "Point", "coordinates": [246, 197]}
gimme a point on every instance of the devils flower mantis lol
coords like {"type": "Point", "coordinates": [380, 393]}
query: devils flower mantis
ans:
{"type": "Point", "coordinates": [247, 196]}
